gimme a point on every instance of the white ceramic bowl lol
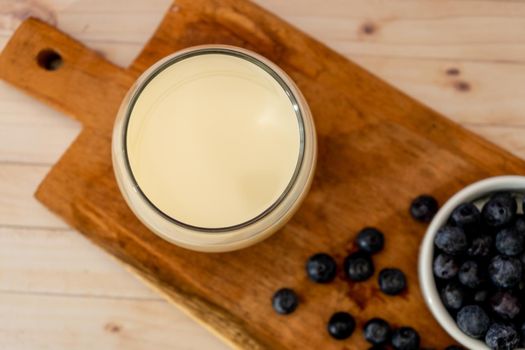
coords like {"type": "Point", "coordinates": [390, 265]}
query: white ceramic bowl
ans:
{"type": "Point", "coordinates": [472, 192]}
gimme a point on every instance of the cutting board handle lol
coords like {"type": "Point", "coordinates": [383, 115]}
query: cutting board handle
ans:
{"type": "Point", "coordinates": [62, 72]}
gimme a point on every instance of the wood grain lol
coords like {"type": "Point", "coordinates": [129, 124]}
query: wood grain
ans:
{"type": "Point", "coordinates": [489, 31]}
{"type": "Point", "coordinates": [50, 322]}
{"type": "Point", "coordinates": [18, 207]}
{"type": "Point", "coordinates": [38, 266]}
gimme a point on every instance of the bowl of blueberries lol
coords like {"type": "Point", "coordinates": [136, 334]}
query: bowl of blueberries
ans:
{"type": "Point", "coordinates": [472, 264]}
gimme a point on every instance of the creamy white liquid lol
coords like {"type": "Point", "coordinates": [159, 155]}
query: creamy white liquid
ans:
{"type": "Point", "coordinates": [213, 141]}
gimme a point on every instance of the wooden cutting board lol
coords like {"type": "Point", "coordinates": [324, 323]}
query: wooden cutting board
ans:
{"type": "Point", "coordinates": [378, 149]}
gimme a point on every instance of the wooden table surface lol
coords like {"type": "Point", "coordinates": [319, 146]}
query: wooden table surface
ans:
{"type": "Point", "coordinates": [464, 58]}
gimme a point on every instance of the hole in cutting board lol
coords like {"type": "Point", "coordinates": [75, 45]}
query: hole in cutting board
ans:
{"type": "Point", "coordinates": [49, 59]}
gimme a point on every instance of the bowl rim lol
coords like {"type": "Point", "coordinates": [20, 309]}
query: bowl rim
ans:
{"type": "Point", "coordinates": [426, 277]}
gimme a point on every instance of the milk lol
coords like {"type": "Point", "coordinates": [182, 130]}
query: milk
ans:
{"type": "Point", "coordinates": [213, 141]}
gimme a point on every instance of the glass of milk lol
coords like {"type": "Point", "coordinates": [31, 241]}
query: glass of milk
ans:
{"type": "Point", "coordinates": [214, 148]}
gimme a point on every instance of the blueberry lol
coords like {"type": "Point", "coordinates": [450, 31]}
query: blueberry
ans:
{"type": "Point", "coordinates": [522, 333]}
{"type": "Point", "coordinates": [505, 305]}
{"type": "Point", "coordinates": [480, 247]}
{"type": "Point", "coordinates": [470, 274]}
{"type": "Point", "coordinates": [466, 216]}
{"type": "Point", "coordinates": [341, 325]}
{"type": "Point", "coordinates": [405, 338]}
{"type": "Point", "coordinates": [445, 266]}
{"type": "Point", "coordinates": [423, 208]}
{"type": "Point", "coordinates": [521, 285]}
{"type": "Point", "coordinates": [509, 241]}
{"type": "Point", "coordinates": [473, 321]}
{"type": "Point", "coordinates": [502, 337]}
{"type": "Point", "coordinates": [358, 266]}
{"type": "Point", "coordinates": [522, 258]}
{"type": "Point", "coordinates": [451, 240]}
{"type": "Point", "coordinates": [285, 301]}
{"type": "Point", "coordinates": [520, 223]}
{"type": "Point", "coordinates": [321, 268]}
{"type": "Point", "coordinates": [453, 296]}
{"type": "Point", "coordinates": [392, 281]}
{"type": "Point", "coordinates": [500, 210]}
{"type": "Point", "coordinates": [370, 240]}
{"type": "Point", "coordinates": [377, 331]}
{"type": "Point", "coordinates": [505, 272]}
{"type": "Point", "coordinates": [481, 295]}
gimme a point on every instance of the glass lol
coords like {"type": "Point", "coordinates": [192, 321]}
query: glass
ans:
{"type": "Point", "coordinates": [238, 235]}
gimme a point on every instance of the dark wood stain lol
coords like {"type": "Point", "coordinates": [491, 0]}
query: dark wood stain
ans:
{"type": "Point", "coordinates": [453, 71]}
{"type": "Point", "coordinates": [368, 28]}
{"type": "Point", "coordinates": [112, 327]}
{"type": "Point", "coordinates": [462, 86]}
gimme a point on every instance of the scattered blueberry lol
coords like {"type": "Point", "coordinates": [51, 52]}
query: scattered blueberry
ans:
{"type": "Point", "coordinates": [451, 240]}
{"type": "Point", "coordinates": [370, 240]}
{"type": "Point", "coordinates": [285, 301]}
{"type": "Point", "coordinates": [500, 210]}
{"type": "Point", "coordinates": [392, 281]}
{"type": "Point", "coordinates": [480, 247]}
{"type": "Point", "coordinates": [453, 296]}
{"type": "Point", "coordinates": [470, 274]}
{"type": "Point", "coordinates": [358, 266]}
{"type": "Point", "coordinates": [423, 208]}
{"type": "Point", "coordinates": [445, 266]}
{"type": "Point", "coordinates": [341, 325]}
{"type": "Point", "coordinates": [509, 241]}
{"type": "Point", "coordinates": [405, 338]}
{"type": "Point", "coordinates": [473, 321]}
{"type": "Point", "coordinates": [466, 216]}
{"type": "Point", "coordinates": [377, 331]}
{"type": "Point", "coordinates": [505, 305]}
{"type": "Point", "coordinates": [505, 272]}
{"type": "Point", "coordinates": [502, 337]}
{"type": "Point", "coordinates": [321, 268]}
{"type": "Point", "coordinates": [463, 249]}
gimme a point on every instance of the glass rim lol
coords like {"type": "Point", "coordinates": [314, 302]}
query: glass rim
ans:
{"type": "Point", "coordinates": [157, 69]}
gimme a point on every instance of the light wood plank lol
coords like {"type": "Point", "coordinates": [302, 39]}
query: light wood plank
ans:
{"type": "Point", "coordinates": [31, 132]}
{"type": "Point", "coordinates": [129, 22]}
{"type": "Point", "coordinates": [508, 137]}
{"type": "Point", "coordinates": [62, 262]}
{"type": "Point", "coordinates": [481, 93]}
{"type": "Point", "coordinates": [18, 207]}
{"type": "Point", "coordinates": [94, 7]}
{"type": "Point", "coordinates": [451, 29]}
{"type": "Point", "coordinates": [462, 30]}
{"type": "Point", "coordinates": [49, 322]}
